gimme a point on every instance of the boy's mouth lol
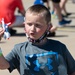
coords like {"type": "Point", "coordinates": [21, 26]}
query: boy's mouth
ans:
{"type": "Point", "coordinates": [32, 34]}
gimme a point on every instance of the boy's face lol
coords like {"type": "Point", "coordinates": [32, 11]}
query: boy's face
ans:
{"type": "Point", "coordinates": [35, 25]}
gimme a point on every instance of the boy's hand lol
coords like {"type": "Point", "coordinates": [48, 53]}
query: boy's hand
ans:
{"type": "Point", "coordinates": [1, 32]}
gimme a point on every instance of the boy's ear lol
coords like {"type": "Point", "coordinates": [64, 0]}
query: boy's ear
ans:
{"type": "Point", "coordinates": [24, 27]}
{"type": "Point", "coordinates": [24, 30]}
{"type": "Point", "coordinates": [23, 23]}
{"type": "Point", "coordinates": [50, 26]}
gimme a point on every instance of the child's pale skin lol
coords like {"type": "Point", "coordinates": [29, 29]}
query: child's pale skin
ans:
{"type": "Point", "coordinates": [35, 25]}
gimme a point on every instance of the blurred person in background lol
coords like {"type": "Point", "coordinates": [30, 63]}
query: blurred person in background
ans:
{"type": "Point", "coordinates": [7, 11]}
{"type": "Point", "coordinates": [47, 3]}
{"type": "Point", "coordinates": [64, 11]}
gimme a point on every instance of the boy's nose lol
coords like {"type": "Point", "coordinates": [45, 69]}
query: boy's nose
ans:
{"type": "Point", "coordinates": [33, 28]}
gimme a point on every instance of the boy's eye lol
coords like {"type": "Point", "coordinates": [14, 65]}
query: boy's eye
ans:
{"type": "Point", "coordinates": [38, 25]}
{"type": "Point", "coordinates": [29, 24]}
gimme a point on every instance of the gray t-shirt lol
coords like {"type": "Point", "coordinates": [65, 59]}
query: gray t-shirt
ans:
{"type": "Point", "coordinates": [52, 58]}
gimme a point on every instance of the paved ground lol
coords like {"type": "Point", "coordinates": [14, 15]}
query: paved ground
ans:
{"type": "Point", "coordinates": [65, 35]}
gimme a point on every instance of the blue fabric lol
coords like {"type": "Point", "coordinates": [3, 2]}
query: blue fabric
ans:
{"type": "Point", "coordinates": [38, 2]}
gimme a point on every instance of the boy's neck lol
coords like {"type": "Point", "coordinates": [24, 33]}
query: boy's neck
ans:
{"type": "Point", "coordinates": [41, 42]}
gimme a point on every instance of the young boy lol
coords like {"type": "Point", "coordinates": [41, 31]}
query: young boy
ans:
{"type": "Point", "coordinates": [38, 55]}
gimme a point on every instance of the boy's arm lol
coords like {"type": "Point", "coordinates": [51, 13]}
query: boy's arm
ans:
{"type": "Point", "coordinates": [3, 63]}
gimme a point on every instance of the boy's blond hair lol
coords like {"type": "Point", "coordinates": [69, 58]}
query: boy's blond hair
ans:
{"type": "Point", "coordinates": [40, 9]}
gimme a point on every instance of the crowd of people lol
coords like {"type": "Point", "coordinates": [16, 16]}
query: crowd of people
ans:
{"type": "Point", "coordinates": [39, 54]}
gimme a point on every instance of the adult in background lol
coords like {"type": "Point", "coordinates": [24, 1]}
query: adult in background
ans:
{"type": "Point", "coordinates": [47, 3]}
{"type": "Point", "coordinates": [7, 11]}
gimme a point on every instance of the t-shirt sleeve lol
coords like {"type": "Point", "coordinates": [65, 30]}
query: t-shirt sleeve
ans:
{"type": "Point", "coordinates": [13, 59]}
{"type": "Point", "coordinates": [69, 60]}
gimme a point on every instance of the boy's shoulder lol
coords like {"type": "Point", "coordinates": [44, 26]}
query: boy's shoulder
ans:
{"type": "Point", "coordinates": [21, 44]}
{"type": "Point", "coordinates": [56, 42]}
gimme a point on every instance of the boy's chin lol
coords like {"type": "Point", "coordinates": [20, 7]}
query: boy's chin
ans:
{"type": "Point", "coordinates": [34, 38]}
